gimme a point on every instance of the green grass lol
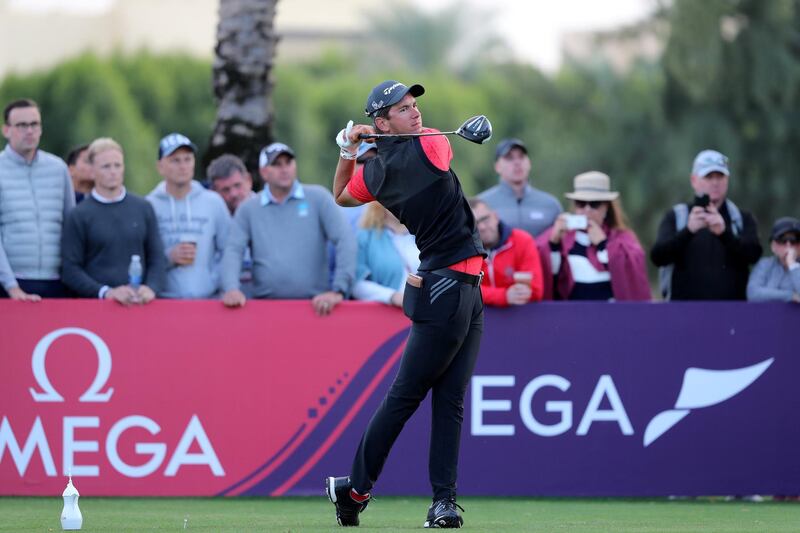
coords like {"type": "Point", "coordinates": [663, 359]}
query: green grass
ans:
{"type": "Point", "coordinates": [494, 515]}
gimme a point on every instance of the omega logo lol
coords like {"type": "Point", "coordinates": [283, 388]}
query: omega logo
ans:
{"type": "Point", "coordinates": [93, 393]}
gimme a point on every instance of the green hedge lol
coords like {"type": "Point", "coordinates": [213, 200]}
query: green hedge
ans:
{"type": "Point", "coordinates": [641, 127]}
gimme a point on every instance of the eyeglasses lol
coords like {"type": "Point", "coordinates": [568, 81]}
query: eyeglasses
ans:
{"type": "Point", "coordinates": [27, 126]}
{"type": "Point", "coordinates": [593, 204]}
{"type": "Point", "coordinates": [787, 240]}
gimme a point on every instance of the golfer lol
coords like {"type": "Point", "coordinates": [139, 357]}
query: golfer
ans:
{"type": "Point", "coordinates": [412, 178]}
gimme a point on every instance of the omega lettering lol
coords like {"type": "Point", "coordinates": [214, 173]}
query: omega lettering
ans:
{"type": "Point", "coordinates": [604, 389]}
{"type": "Point", "coordinates": [194, 433]}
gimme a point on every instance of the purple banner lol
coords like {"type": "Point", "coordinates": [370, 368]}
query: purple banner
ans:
{"type": "Point", "coordinates": [607, 400]}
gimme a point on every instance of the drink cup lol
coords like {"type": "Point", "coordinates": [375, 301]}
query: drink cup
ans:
{"type": "Point", "coordinates": [523, 277]}
{"type": "Point", "coordinates": [190, 240]}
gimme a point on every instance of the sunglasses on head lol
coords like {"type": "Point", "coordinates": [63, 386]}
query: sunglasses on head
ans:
{"type": "Point", "coordinates": [595, 204]}
{"type": "Point", "coordinates": [787, 239]}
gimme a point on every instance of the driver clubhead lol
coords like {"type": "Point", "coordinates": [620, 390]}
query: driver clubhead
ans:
{"type": "Point", "coordinates": [477, 129]}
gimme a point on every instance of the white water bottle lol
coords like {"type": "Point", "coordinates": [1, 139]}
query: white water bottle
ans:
{"type": "Point", "coordinates": [71, 518]}
{"type": "Point", "coordinates": [135, 272]}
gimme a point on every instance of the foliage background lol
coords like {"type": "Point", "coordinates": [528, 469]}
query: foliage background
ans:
{"type": "Point", "coordinates": [729, 78]}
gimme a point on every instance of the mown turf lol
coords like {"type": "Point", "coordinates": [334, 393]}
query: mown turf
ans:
{"type": "Point", "coordinates": [494, 515]}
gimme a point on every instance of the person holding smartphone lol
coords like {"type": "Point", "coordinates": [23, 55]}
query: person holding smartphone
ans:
{"type": "Point", "coordinates": [590, 253]}
{"type": "Point", "coordinates": [705, 247]}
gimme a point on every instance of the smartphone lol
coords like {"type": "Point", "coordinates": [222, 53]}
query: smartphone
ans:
{"type": "Point", "coordinates": [576, 222]}
{"type": "Point", "coordinates": [701, 201]}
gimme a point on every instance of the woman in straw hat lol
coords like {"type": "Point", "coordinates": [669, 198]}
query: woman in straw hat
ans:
{"type": "Point", "coordinates": [593, 255]}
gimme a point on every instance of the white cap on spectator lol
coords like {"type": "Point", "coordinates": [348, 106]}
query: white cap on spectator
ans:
{"type": "Point", "coordinates": [270, 153]}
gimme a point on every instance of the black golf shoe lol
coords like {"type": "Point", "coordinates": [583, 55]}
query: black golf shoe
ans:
{"type": "Point", "coordinates": [443, 513]}
{"type": "Point", "coordinates": [347, 508]}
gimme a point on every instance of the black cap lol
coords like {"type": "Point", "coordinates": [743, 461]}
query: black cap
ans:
{"type": "Point", "coordinates": [785, 225]}
{"type": "Point", "coordinates": [506, 145]}
{"type": "Point", "coordinates": [270, 153]}
{"type": "Point", "coordinates": [389, 93]}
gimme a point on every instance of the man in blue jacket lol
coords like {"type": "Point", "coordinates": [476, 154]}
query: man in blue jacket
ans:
{"type": "Point", "coordinates": [35, 196]}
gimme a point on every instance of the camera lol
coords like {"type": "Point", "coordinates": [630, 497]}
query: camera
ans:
{"type": "Point", "coordinates": [576, 222]}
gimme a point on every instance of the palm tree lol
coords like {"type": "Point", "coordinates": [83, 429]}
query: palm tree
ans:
{"type": "Point", "coordinates": [242, 79]}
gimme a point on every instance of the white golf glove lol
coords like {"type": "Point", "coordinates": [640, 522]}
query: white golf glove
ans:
{"type": "Point", "coordinates": [343, 137]}
{"type": "Point", "coordinates": [347, 148]}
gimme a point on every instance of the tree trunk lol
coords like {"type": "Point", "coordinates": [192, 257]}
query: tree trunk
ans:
{"type": "Point", "coordinates": [242, 79]}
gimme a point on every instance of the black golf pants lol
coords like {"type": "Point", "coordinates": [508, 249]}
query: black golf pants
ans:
{"type": "Point", "coordinates": [440, 355]}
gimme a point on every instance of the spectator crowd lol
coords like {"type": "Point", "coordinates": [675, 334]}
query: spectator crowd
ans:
{"type": "Point", "coordinates": [71, 229]}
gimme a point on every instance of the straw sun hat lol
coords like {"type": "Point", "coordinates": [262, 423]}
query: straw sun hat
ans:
{"type": "Point", "coordinates": [592, 186]}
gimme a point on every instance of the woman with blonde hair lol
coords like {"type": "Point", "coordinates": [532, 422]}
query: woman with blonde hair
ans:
{"type": "Point", "coordinates": [590, 253]}
{"type": "Point", "coordinates": [103, 234]}
{"type": "Point", "coordinates": [386, 254]}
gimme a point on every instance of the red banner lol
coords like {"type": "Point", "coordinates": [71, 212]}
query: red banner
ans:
{"type": "Point", "coordinates": [174, 398]}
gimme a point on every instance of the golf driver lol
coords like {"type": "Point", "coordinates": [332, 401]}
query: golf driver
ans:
{"type": "Point", "coordinates": [476, 129]}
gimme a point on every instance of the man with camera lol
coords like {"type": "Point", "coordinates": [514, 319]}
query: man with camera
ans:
{"type": "Point", "coordinates": [705, 248]}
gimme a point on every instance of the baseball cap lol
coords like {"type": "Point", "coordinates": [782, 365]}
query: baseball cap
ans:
{"type": "Point", "coordinates": [172, 142]}
{"type": "Point", "coordinates": [388, 93]}
{"type": "Point", "coordinates": [709, 161]}
{"type": "Point", "coordinates": [785, 225]}
{"type": "Point", "coordinates": [363, 148]}
{"type": "Point", "coordinates": [506, 145]}
{"type": "Point", "coordinates": [271, 152]}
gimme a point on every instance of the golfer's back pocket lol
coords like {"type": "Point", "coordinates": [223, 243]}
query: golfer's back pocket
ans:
{"type": "Point", "coordinates": [410, 298]}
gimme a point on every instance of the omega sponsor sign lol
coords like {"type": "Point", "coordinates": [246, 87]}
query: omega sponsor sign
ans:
{"type": "Point", "coordinates": [190, 398]}
{"type": "Point", "coordinates": [37, 441]}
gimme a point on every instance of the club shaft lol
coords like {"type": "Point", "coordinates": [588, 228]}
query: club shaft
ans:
{"type": "Point", "coordinates": [384, 135]}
